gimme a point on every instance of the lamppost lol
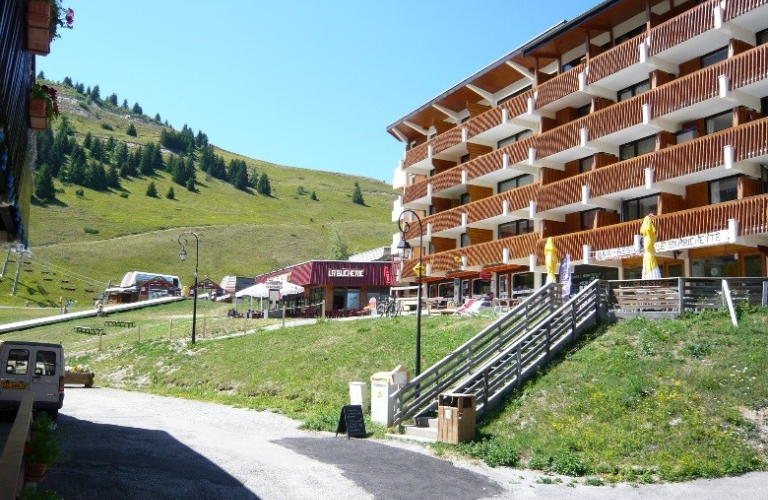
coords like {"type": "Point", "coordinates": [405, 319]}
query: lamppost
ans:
{"type": "Point", "coordinates": [183, 257]}
{"type": "Point", "coordinates": [403, 247]}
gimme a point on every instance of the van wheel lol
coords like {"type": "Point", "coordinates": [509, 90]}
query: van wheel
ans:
{"type": "Point", "coordinates": [53, 414]}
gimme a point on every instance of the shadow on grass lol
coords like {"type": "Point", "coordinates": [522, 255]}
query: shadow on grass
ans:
{"type": "Point", "coordinates": [48, 203]}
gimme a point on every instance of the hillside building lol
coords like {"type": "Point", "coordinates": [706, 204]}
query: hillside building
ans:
{"type": "Point", "coordinates": [634, 107]}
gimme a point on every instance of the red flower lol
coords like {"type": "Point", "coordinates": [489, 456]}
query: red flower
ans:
{"type": "Point", "coordinates": [70, 17]}
{"type": "Point", "coordinates": [27, 448]}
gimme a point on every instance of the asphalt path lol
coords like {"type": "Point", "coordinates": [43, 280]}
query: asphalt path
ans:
{"type": "Point", "coordinates": [128, 445]}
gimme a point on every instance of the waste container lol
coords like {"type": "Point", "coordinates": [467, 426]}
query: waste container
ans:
{"type": "Point", "coordinates": [456, 418]}
{"type": "Point", "coordinates": [383, 384]}
{"type": "Point", "coordinates": [357, 395]}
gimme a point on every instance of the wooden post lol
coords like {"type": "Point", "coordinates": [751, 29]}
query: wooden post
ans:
{"type": "Point", "coordinates": [138, 328]}
{"type": "Point", "coordinates": [203, 334]}
{"type": "Point", "coordinates": [681, 297]}
{"type": "Point", "coordinates": [170, 328]}
{"type": "Point", "coordinates": [283, 313]}
{"type": "Point", "coordinates": [322, 305]}
{"type": "Point", "coordinates": [245, 324]}
{"type": "Point", "coordinates": [100, 334]}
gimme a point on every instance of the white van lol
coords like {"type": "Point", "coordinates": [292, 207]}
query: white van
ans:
{"type": "Point", "coordinates": [32, 366]}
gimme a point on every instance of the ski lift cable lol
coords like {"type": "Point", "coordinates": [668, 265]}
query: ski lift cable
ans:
{"type": "Point", "coordinates": [71, 274]}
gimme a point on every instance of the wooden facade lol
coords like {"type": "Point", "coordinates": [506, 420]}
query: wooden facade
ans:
{"type": "Point", "coordinates": [600, 117]}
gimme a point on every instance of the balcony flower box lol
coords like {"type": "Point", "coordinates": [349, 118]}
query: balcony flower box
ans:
{"type": "Point", "coordinates": [38, 114]}
{"type": "Point", "coordinates": [39, 27]}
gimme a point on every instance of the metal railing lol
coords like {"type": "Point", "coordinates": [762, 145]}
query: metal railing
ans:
{"type": "Point", "coordinates": [420, 394]}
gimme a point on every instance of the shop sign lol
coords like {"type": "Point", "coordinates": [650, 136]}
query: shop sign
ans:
{"type": "Point", "coordinates": [346, 273]}
{"type": "Point", "coordinates": [274, 285]}
{"type": "Point", "coordinates": [685, 243]}
{"type": "Point", "coordinates": [485, 275]}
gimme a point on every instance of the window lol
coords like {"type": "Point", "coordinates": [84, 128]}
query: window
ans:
{"type": "Point", "coordinates": [585, 164]}
{"type": "Point", "coordinates": [719, 122]}
{"type": "Point", "coordinates": [481, 288]}
{"type": "Point", "coordinates": [640, 207]}
{"type": "Point", "coordinates": [637, 148]}
{"type": "Point", "coordinates": [464, 241]}
{"type": "Point", "coordinates": [514, 182]}
{"type": "Point", "coordinates": [634, 90]}
{"type": "Point", "coordinates": [464, 158]}
{"type": "Point", "coordinates": [753, 266]}
{"type": "Point", "coordinates": [431, 210]}
{"type": "Point", "coordinates": [45, 363]}
{"type": "Point", "coordinates": [514, 138]}
{"type": "Point", "coordinates": [18, 361]}
{"type": "Point", "coordinates": [515, 228]}
{"type": "Point", "coordinates": [503, 280]}
{"type": "Point", "coordinates": [573, 63]}
{"type": "Point", "coordinates": [430, 248]}
{"type": "Point", "coordinates": [714, 57]}
{"type": "Point", "coordinates": [465, 199]}
{"type": "Point", "coordinates": [723, 189]}
{"type": "Point", "coordinates": [588, 217]}
{"type": "Point", "coordinates": [762, 37]}
{"type": "Point", "coordinates": [629, 35]}
{"type": "Point", "coordinates": [513, 94]}
{"type": "Point", "coordinates": [584, 110]}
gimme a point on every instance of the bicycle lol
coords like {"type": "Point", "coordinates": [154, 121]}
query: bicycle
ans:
{"type": "Point", "coordinates": [389, 307]}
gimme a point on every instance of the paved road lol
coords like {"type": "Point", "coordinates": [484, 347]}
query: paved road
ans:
{"type": "Point", "coordinates": [124, 445]}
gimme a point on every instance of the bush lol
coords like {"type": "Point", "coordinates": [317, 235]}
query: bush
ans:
{"type": "Point", "coordinates": [84, 106]}
{"type": "Point", "coordinates": [36, 494]}
{"type": "Point", "coordinates": [494, 452]}
{"type": "Point", "coordinates": [79, 193]}
{"type": "Point", "coordinates": [123, 195]}
{"type": "Point", "coordinates": [107, 126]}
{"type": "Point", "coordinates": [90, 230]}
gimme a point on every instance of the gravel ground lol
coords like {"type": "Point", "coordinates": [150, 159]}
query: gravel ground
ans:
{"type": "Point", "coordinates": [126, 445]}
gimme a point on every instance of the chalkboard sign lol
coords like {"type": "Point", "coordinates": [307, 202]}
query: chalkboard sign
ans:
{"type": "Point", "coordinates": [351, 421]}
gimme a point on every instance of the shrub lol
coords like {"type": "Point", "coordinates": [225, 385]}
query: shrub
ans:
{"type": "Point", "coordinates": [79, 193]}
{"type": "Point", "coordinates": [107, 126]}
{"type": "Point", "coordinates": [83, 105]}
{"type": "Point", "coordinates": [123, 195]}
{"type": "Point", "coordinates": [152, 190]}
{"type": "Point", "coordinates": [90, 230]}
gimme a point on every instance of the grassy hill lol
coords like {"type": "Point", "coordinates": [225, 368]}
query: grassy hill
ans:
{"type": "Point", "coordinates": [95, 238]}
{"type": "Point", "coordinates": [637, 401]}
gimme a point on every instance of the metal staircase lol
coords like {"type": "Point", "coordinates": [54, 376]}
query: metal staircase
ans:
{"type": "Point", "coordinates": [506, 353]}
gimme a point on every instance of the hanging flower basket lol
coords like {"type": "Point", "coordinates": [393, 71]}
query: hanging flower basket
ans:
{"type": "Point", "coordinates": [35, 472]}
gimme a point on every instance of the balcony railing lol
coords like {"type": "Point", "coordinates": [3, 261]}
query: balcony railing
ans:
{"type": "Point", "coordinates": [416, 191]}
{"type": "Point", "coordinates": [683, 27]}
{"type": "Point", "coordinates": [559, 86]}
{"type": "Point", "coordinates": [493, 206]}
{"type": "Point", "coordinates": [698, 155]}
{"type": "Point", "coordinates": [616, 59]}
{"type": "Point", "coordinates": [519, 247]}
{"type": "Point", "coordinates": [448, 219]}
{"type": "Point", "coordinates": [750, 212]}
{"type": "Point", "coordinates": [736, 8]}
{"type": "Point", "coordinates": [416, 154]}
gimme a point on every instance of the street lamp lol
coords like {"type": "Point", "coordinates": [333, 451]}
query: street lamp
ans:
{"type": "Point", "coordinates": [403, 248]}
{"type": "Point", "coordinates": [183, 257]}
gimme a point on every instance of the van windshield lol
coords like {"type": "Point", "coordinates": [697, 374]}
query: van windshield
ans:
{"type": "Point", "coordinates": [18, 360]}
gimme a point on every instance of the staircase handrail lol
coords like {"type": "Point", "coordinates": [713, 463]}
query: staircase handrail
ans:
{"type": "Point", "coordinates": [423, 390]}
{"type": "Point", "coordinates": [568, 311]}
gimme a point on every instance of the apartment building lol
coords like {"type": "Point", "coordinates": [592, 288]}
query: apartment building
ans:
{"type": "Point", "coordinates": [635, 107]}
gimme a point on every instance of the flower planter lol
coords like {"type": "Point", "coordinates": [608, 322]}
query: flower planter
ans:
{"type": "Point", "coordinates": [85, 378]}
{"type": "Point", "coordinates": [37, 114]}
{"type": "Point", "coordinates": [35, 472]}
{"type": "Point", "coordinates": [39, 14]}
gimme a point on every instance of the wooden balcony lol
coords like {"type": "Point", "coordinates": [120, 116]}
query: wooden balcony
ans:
{"type": "Point", "coordinates": [683, 27]}
{"type": "Point", "coordinates": [701, 154]}
{"type": "Point", "coordinates": [416, 191]}
{"type": "Point", "coordinates": [559, 86]}
{"type": "Point", "coordinates": [520, 247]}
{"type": "Point", "coordinates": [616, 59]}
{"type": "Point", "coordinates": [416, 154]}
{"type": "Point", "coordinates": [492, 162]}
{"type": "Point", "coordinates": [736, 8]}
{"type": "Point", "coordinates": [518, 199]}
{"type": "Point", "coordinates": [751, 213]}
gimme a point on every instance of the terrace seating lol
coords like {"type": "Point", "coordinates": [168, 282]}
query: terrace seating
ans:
{"type": "Point", "coordinates": [90, 330]}
{"type": "Point", "coordinates": [111, 322]}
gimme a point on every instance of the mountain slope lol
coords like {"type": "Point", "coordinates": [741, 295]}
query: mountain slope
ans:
{"type": "Point", "coordinates": [94, 237]}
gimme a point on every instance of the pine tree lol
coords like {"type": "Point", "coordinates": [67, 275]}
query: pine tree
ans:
{"type": "Point", "coordinates": [113, 178]}
{"type": "Point", "coordinates": [357, 195]}
{"type": "Point", "coordinates": [240, 180]}
{"type": "Point", "coordinates": [95, 93]}
{"type": "Point", "coordinates": [146, 167]}
{"type": "Point", "coordinates": [44, 188]}
{"type": "Point", "coordinates": [95, 176]}
{"type": "Point", "coordinates": [131, 130]}
{"type": "Point", "coordinates": [171, 195]}
{"type": "Point", "coordinates": [137, 109]}
{"type": "Point", "coordinates": [313, 196]}
{"type": "Point", "coordinates": [112, 99]}
{"type": "Point", "coordinates": [152, 190]}
{"type": "Point", "coordinates": [120, 154]}
{"type": "Point", "coordinates": [339, 248]}
{"type": "Point", "coordinates": [77, 167]}
{"type": "Point", "coordinates": [263, 186]}
{"type": "Point", "coordinates": [67, 81]}
{"type": "Point", "coordinates": [158, 119]}
{"type": "Point", "coordinates": [41, 75]}
{"type": "Point", "coordinates": [88, 140]}
{"type": "Point", "coordinates": [125, 103]}
{"type": "Point", "coordinates": [97, 149]}
{"type": "Point", "coordinates": [191, 185]}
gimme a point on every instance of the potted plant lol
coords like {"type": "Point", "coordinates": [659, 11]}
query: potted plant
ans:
{"type": "Point", "coordinates": [44, 18]}
{"type": "Point", "coordinates": [42, 106]}
{"type": "Point", "coordinates": [42, 449]}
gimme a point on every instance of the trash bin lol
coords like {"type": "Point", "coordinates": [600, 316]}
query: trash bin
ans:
{"type": "Point", "coordinates": [456, 418]}
{"type": "Point", "coordinates": [357, 395]}
{"type": "Point", "coordinates": [383, 384]}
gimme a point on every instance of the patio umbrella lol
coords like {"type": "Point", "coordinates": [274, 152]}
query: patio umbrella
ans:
{"type": "Point", "coordinates": [262, 291]}
{"type": "Point", "coordinates": [650, 266]}
{"type": "Point", "coordinates": [550, 259]}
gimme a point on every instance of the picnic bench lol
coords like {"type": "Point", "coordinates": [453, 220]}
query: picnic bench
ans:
{"type": "Point", "coordinates": [89, 329]}
{"type": "Point", "coordinates": [114, 322]}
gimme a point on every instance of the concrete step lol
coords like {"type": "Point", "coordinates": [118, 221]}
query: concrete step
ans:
{"type": "Point", "coordinates": [414, 433]}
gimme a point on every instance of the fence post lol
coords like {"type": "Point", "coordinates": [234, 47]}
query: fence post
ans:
{"type": "Point", "coordinates": [322, 307]}
{"type": "Point", "coordinates": [573, 318]}
{"type": "Point", "coordinates": [765, 293]}
{"type": "Point", "coordinates": [100, 334]}
{"type": "Point", "coordinates": [203, 335]}
{"type": "Point", "coordinates": [138, 328]}
{"type": "Point", "coordinates": [170, 328]}
{"type": "Point", "coordinates": [681, 297]}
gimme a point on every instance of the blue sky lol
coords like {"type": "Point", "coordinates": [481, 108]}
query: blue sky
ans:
{"type": "Point", "coordinates": [301, 83]}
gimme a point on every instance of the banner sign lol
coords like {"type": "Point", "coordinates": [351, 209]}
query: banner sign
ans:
{"type": "Point", "coordinates": [565, 275]}
{"type": "Point", "coordinates": [685, 243]}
